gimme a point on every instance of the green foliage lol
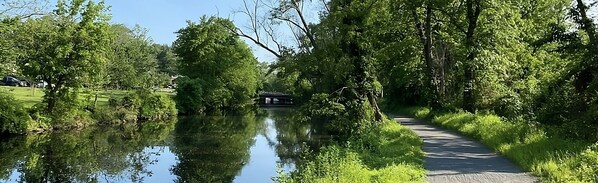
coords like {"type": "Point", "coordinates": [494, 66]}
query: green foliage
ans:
{"type": "Point", "coordinates": [155, 107]}
{"type": "Point", "coordinates": [67, 51]}
{"type": "Point", "coordinates": [140, 106]}
{"type": "Point", "coordinates": [8, 51]}
{"type": "Point", "coordinates": [214, 58]}
{"type": "Point", "coordinates": [345, 119]}
{"type": "Point", "coordinates": [167, 60]}
{"type": "Point", "coordinates": [133, 59]}
{"type": "Point", "coordinates": [13, 116]}
{"type": "Point", "coordinates": [190, 93]}
{"type": "Point", "coordinates": [394, 155]}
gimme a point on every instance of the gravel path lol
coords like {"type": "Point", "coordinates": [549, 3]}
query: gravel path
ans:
{"type": "Point", "coordinates": [454, 158]}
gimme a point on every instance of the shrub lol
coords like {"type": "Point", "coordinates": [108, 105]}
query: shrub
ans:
{"type": "Point", "coordinates": [13, 116]}
{"type": "Point", "coordinates": [394, 155]}
{"type": "Point", "coordinates": [157, 107]}
{"type": "Point", "coordinates": [115, 115]}
{"type": "Point", "coordinates": [136, 107]}
{"type": "Point", "coordinates": [189, 97]}
{"type": "Point", "coordinates": [341, 118]}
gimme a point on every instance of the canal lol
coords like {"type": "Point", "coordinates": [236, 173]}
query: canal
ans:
{"type": "Point", "coordinates": [244, 148]}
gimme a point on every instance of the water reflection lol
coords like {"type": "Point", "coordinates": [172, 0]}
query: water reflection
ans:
{"type": "Point", "coordinates": [294, 136]}
{"type": "Point", "coordinates": [91, 155]}
{"type": "Point", "coordinates": [213, 149]}
{"type": "Point", "coordinates": [244, 148]}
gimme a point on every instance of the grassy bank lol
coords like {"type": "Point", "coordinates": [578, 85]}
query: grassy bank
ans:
{"type": "Point", "coordinates": [20, 114]}
{"type": "Point", "coordinates": [388, 153]}
{"type": "Point", "coordinates": [31, 96]}
{"type": "Point", "coordinates": [553, 158]}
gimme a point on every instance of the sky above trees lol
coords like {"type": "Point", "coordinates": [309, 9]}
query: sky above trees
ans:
{"type": "Point", "coordinates": [163, 17]}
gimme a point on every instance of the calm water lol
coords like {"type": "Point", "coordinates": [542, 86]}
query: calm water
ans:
{"type": "Point", "coordinates": [246, 148]}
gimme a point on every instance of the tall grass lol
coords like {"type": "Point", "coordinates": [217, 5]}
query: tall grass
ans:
{"type": "Point", "coordinates": [552, 158]}
{"type": "Point", "coordinates": [388, 153]}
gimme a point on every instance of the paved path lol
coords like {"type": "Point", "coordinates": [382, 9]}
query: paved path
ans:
{"type": "Point", "coordinates": [454, 158]}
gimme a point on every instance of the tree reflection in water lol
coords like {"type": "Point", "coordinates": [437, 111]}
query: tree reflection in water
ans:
{"type": "Point", "coordinates": [295, 137]}
{"type": "Point", "coordinates": [194, 149]}
{"type": "Point", "coordinates": [90, 155]}
{"type": "Point", "coordinates": [213, 149]}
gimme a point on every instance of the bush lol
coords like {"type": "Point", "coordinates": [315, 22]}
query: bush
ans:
{"type": "Point", "coordinates": [137, 107]}
{"type": "Point", "coordinates": [344, 119]}
{"type": "Point", "coordinates": [189, 97]}
{"type": "Point", "coordinates": [115, 115]}
{"type": "Point", "coordinates": [157, 107]}
{"type": "Point", "coordinates": [394, 154]}
{"type": "Point", "coordinates": [195, 96]}
{"type": "Point", "coordinates": [13, 116]}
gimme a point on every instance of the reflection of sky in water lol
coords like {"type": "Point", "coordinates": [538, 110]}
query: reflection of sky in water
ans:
{"type": "Point", "coordinates": [262, 165]}
{"type": "Point", "coordinates": [263, 158]}
{"type": "Point", "coordinates": [160, 168]}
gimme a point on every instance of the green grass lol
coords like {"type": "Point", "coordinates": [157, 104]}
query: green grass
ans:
{"type": "Point", "coordinates": [31, 96]}
{"type": "Point", "coordinates": [393, 154]}
{"type": "Point", "coordinates": [552, 158]}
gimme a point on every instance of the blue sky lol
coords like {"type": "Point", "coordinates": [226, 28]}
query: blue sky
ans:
{"type": "Point", "coordinates": [164, 17]}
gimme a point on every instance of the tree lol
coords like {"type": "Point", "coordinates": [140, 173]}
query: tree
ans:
{"type": "Point", "coordinates": [66, 50]}
{"type": "Point", "coordinates": [167, 60]}
{"type": "Point", "coordinates": [8, 52]}
{"type": "Point", "coordinates": [133, 59]}
{"type": "Point", "coordinates": [214, 59]}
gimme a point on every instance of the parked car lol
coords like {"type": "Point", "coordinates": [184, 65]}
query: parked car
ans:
{"type": "Point", "coordinates": [12, 81]}
{"type": "Point", "coordinates": [41, 84]}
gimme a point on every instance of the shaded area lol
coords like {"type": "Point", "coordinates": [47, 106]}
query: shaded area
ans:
{"type": "Point", "coordinates": [453, 158]}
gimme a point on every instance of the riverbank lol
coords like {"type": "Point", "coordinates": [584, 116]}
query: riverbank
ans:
{"type": "Point", "coordinates": [22, 110]}
{"type": "Point", "coordinates": [387, 153]}
{"type": "Point", "coordinates": [550, 157]}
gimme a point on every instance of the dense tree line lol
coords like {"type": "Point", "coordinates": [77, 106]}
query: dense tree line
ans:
{"type": "Point", "coordinates": [532, 61]}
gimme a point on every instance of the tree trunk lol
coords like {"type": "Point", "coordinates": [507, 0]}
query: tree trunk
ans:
{"type": "Point", "coordinates": [95, 101]}
{"type": "Point", "coordinates": [473, 12]}
{"type": "Point", "coordinates": [377, 112]}
{"type": "Point", "coordinates": [51, 99]}
{"type": "Point", "coordinates": [588, 65]}
{"type": "Point", "coordinates": [424, 32]}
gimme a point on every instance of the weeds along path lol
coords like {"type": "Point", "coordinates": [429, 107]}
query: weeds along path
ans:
{"type": "Point", "coordinates": [454, 158]}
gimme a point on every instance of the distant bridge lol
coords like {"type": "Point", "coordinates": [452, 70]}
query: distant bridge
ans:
{"type": "Point", "coordinates": [275, 99]}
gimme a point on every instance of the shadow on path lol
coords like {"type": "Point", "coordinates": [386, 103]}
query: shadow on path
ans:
{"type": "Point", "coordinates": [453, 158]}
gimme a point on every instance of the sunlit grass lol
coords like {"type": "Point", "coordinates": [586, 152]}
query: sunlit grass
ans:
{"type": "Point", "coordinates": [31, 96]}
{"type": "Point", "coordinates": [394, 154]}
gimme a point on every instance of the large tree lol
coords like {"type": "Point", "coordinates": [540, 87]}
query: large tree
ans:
{"type": "Point", "coordinates": [220, 70]}
{"type": "Point", "coordinates": [65, 49]}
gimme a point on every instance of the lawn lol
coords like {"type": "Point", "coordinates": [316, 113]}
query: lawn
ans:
{"type": "Point", "coordinates": [31, 96]}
